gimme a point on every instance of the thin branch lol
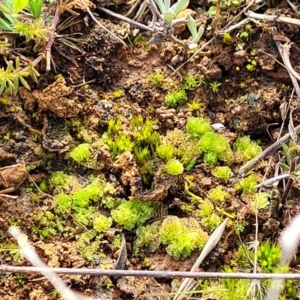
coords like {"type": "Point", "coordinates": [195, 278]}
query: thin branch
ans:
{"type": "Point", "coordinates": [125, 19]}
{"type": "Point", "coordinates": [51, 37]}
{"type": "Point", "coordinates": [272, 18]}
{"type": "Point", "coordinates": [159, 274]}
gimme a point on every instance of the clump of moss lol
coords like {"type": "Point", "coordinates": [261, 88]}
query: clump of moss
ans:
{"type": "Point", "coordinates": [209, 218]}
{"type": "Point", "coordinates": [156, 79]}
{"type": "Point", "coordinates": [196, 127]}
{"type": "Point", "coordinates": [182, 236]}
{"type": "Point", "coordinates": [80, 201]}
{"type": "Point", "coordinates": [247, 184]}
{"type": "Point", "coordinates": [165, 151]}
{"type": "Point", "coordinates": [215, 147]}
{"type": "Point", "coordinates": [268, 256]}
{"type": "Point", "coordinates": [133, 213]}
{"type": "Point", "coordinates": [81, 153]}
{"type": "Point", "coordinates": [259, 201]}
{"type": "Point", "coordinates": [81, 197]}
{"type": "Point", "coordinates": [86, 244]}
{"type": "Point", "coordinates": [147, 236]}
{"type": "Point", "coordinates": [190, 83]}
{"type": "Point", "coordinates": [64, 201]}
{"type": "Point", "coordinates": [174, 167]}
{"type": "Point", "coordinates": [46, 224]}
{"type": "Point", "coordinates": [177, 144]}
{"type": "Point", "coordinates": [223, 173]}
{"type": "Point", "coordinates": [175, 98]}
{"type": "Point", "coordinates": [101, 223]}
{"type": "Point", "coordinates": [59, 178]}
{"type": "Point", "coordinates": [142, 139]}
{"type": "Point", "coordinates": [83, 215]}
{"type": "Point", "coordinates": [246, 149]}
{"type": "Point", "coordinates": [218, 195]}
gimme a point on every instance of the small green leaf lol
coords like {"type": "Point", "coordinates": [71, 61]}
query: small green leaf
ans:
{"type": "Point", "coordinates": [2, 86]}
{"type": "Point", "coordinates": [285, 148]}
{"type": "Point", "coordinates": [10, 86]}
{"type": "Point", "coordinates": [192, 26]}
{"type": "Point", "coordinates": [191, 164]}
{"type": "Point", "coordinates": [169, 16]}
{"type": "Point", "coordinates": [179, 6]}
{"type": "Point", "coordinates": [33, 72]}
{"type": "Point", "coordinates": [25, 84]}
{"type": "Point", "coordinates": [16, 87]}
{"type": "Point", "coordinates": [4, 25]}
{"type": "Point", "coordinates": [19, 5]}
{"type": "Point", "coordinates": [284, 167]}
{"type": "Point", "coordinates": [36, 7]}
{"type": "Point", "coordinates": [5, 9]}
{"type": "Point", "coordinates": [163, 6]}
{"type": "Point", "coordinates": [212, 11]}
{"type": "Point", "coordinates": [200, 32]}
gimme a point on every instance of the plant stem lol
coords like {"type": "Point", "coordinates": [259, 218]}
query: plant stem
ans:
{"type": "Point", "coordinates": [51, 37]}
{"type": "Point", "coordinates": [282, 201]}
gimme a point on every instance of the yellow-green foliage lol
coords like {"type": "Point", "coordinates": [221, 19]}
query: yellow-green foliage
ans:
{"type": "Point", "coordinates": [268, 256]}
{"type": "Point", "coordinates": [102, 223]}
{"type": "Point", "coordinates": [46, 224]}
{"type": "Point", "coordinates": [194, 106]}
{"type": "Point", "coordinates": [227, 38]}
{"type": "Point", "coordinates": [60, 179]}
{"type": "Point", "coordinates": [190, 83]}
{"type": "Point", "coordinates": [247, 184]}
{"type": "Point", "coordinates": [188, 152]}
{"type": "Point", "coordinates": [156, 79]}
{"type": "Point", "coordinates": [218, 195]}
{"type": "Point", "coordinates": [259, 201]}
{"type": "Point", "coordinates": [174, 167]}
{"type": "Point", "coordinates": [77, 198]}
{"type": "Point", "coordinates": [83, 215]}
{"type": "Point", "coordinates": [215, 147]}
{"type": "Point", "coordinates": [196, 127]}
{"type": "Point", "coordinates": [83, 196]}
{"type": "Point", "coordinates": [133, 213]}
{"type": "Point", "coordinates": [142, 139]}
{"type": "Point", "coordinates": [246, 149]}
{"type": "Point", "coordinates": [223, 173]}
{"type": "Point", "coordinates": [32, 31]}
{"type": "Point", "coordinates": [147, 236]}
{"type": "Point", "coordinates": [165, 151]}
{"type": "Point", "coordinates": [64, 201]}
{"type": "Point", "coordinates": [233, 289]}
{"type": "Point", "coordinates": [209, 218]}
{"type": "Point", "coordinates": [182, 147]}
{"type": "Point", "coordinates": [175, 98]}
{"type": "Point", "coordinates": [117, 93]}
{"type": "Point", "coordinates": [182, 236]}
{"type": "Point", "coordinates": [86, 245]}
{"type": "Point", "coordinates": [81, 153]}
